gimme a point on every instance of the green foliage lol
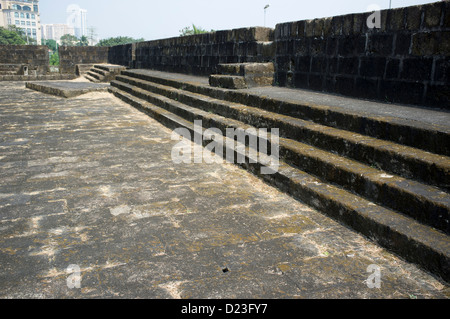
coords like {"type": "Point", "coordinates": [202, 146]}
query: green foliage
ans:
{"type": "Point", "coordinates": [193, 30]}
{"type": "Point", "coordinates": [54, 59]}
{"type": "Point", "coordinates": [110, 42]}
{"type": "Point", "coordinates": [83, 42]}
{"type": "Point", "coordinates": [52, 45]}
{"type": "Point", "coordinates": [21, 32]}
{"type": "Point", "coordinates": [69, 40]}
{"type": "Point", "coordinates": [12, 36]}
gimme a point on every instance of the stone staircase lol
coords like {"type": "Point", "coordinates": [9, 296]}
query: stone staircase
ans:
{"type": "Point", "coordinates": [103, 72]}
{"type": "Point", "coordinates": [243, 75]}
{"type": "Point", "coordinates": [9, 69]}
{"type": "Point", "coordinates": [387, 179]}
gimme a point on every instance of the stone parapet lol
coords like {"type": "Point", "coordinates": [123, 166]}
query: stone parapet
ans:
{"type": "Point", "coordinates": [405, 60]}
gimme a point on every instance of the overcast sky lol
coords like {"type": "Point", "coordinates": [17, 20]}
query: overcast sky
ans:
{"type": "Point", "coordinates": [159, 19]}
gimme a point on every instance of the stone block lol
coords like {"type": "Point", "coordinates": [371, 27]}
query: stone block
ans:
{"type": "Point", "coordinates": [327, 27]}
{"type": "Point", "coordinates": [303, 64]}
{"type": "Point", "coordinates": [392, 68]}
{"type": "Point", "coordinates": [432, 17]}
{"type": "Point", "coordinates": [366, 88]}
{"type": "Point", "coordinates": [318, 46]}
{"type": "Point", "coordinates": [344, 85]}
{"type": "Point", "coordinates": [347, 24]}
{"type": "Point", "coordinates": [438, 96]}
{"type": "Point", "coordinates": [397, 19]}
{"type": "Point", "coordinates": [301, 80]}
{"type": "Point", "coordinates": [294, 29]}
{"type": "Point", "coordinates": [333, 64]}
{"type": "Point", "coordinates": [372, 66]}
{"type": "Point", "coordinates": [381, 44]}
{"type": "Point", "coordinates": [424, 43]}
{"type": "Point", "coordinates": [332, 45]}
{"type": "Point", "coordinates": [402, 91]}
{"type": "Point", "coordinates": [403, 43]}
{"type": "Point", "coordinates": [443, 47]}
{"type": "Point", "coordinates": [336, 25]}
{"type": "Point", "coordinates": [227, 81]}
{"type": "Point", "coordinates": [413, 17]}
{"type": "Point", "coordinates": [318, 64]}
{"type": "Point", "coordinates": [418, 69]}
{"type": "Point", "coordinates": [348, 66]}
{"type": "Point", "coordinates": [302, 46]}
{"type": "Point", "coordinates": [446, 10]}
{"type": "Point", "coordinates": [301, 25]}
{"type": "Point", "coordinates": [442, 70]}
{"type": "Point", "coordinates": [267, 50]}
{"type": "Point", "coordinates": [318, 27]}
{"type": "Point", "coordinates": [309, 28]}
{"type": "Point", "coordinates": [352, 45]}
{"type": "Point", "coordinates": [359, 23]}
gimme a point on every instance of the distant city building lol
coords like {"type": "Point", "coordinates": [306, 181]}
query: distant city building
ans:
{"type": "Point", "coordinates": [77, 18]}
{"type": "Point", "coordinates": [56, 31]}
{"type": "Point", "coordinates": [23, 14]}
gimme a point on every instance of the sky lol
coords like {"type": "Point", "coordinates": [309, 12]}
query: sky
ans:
{"type": "Point", "coordinates": [160, 19]}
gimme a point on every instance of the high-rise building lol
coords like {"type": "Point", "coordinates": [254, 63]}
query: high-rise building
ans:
{"type": "Point", "coordinates": [23, 14]}
{"type": "Point", "coordinates": [56, 31]}
{"type": "Point", "coordinates": [77, 18]}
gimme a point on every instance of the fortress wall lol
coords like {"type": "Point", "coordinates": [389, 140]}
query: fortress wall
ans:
{"type": "Point", "coordinates": [198, 54]}
{"type": "Point", "coordinates": [34, 56]}
{"type": "Point", "coordinates": [69, 57]}
{"type": "Point", "coordinates": [405, 60]}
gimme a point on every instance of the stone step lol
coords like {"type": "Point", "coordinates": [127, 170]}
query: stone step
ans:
{"type": "Point", "coordinates": [100, 71]}
{"type": "Point", "coordinates": [9, 67]}
{"type": "Point", "coordinates": [427, 137]}
{"type": "Point", "coordinates": [90, 78]}
{"type": "Point", "coordinates": [82, 69]}
{"type": "Point", "coordinates": [405, 236]}
{"type": "Point", "coordinates": [396, 159]}
{"type": "Point", "coordinates": [110, 68]}
{"type": "Point", "coordinates": [427, 204]}
{"type": "Point", "coordinates": [228, 81]}
{"type": "Point", "coordinates": [8, 72]}
{"type": "Point", "coordinates": [243, 75]}
{"type": "Point", "coordinates": [95, 75]}
{"type": "Point", "coordinates": [246, 69]}
{"type": "Point", "coordinates": [106, 72]}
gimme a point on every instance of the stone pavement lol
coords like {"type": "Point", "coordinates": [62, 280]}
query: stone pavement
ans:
{"type": "Point", "coordinates": [89, 181]}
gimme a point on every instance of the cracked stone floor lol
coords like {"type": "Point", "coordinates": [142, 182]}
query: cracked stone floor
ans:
{"type": "Point", "coordinates": [89, 182]}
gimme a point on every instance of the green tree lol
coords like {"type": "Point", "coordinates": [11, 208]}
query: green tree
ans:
{"type": "Point", "coordinates": [54, 58]}
{"type": "Point", "coordinates": [110, 42]}
{"type": "Point", "coordinates": [52, 45]}
{"type": "Point", "coordinates": [28, 39]}
{"type": "Point", "coordinates": [83, 42]}
{"type": "Point", "coordinates": [193, 30]}
{"type": "Point", "coordinates": [69, 40]}
{"type": "Point", "coordinates": [11, 36]}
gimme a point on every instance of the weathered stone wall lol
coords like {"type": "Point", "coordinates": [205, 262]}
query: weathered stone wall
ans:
{"type": "Point", "coordinates": [123, 55]}
{"type": "Point", "coordinates": [34, 56]}
{"type": "Point", "coordinates": [404, 61]}
{"type": "Point", "coordinates": [69, 57]}
{"type": "Point", "coordinates": [198, 54]}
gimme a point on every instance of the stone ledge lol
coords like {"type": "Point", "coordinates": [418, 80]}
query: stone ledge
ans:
{"type": "Point", "coordinates": [228, 81]}
{"type": "Point", "coordinates": [48, 77]}
{"type": "Point", "coordinates": [67, 89]}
